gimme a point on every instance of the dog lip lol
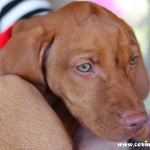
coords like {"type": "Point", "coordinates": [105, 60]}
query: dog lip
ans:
{"type": "Point", "coordinates": [82, 124]}
{"type": "Point", "coordinates": [135, 129]}
{"type": "Point", "coordinates": [138, 128]}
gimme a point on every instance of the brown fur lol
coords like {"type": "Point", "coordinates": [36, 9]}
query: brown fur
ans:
{"type": "Point", "coordinates": [26, 120]}
{"type": "Point", "coordinates": [82, 32]}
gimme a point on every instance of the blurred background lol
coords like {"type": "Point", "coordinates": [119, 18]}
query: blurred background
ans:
{"type": "Point", "coordinates": [137, 14]}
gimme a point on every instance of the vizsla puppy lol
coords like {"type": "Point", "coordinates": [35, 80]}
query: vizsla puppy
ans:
{"type": "Point", "coordinates": [88, 57]}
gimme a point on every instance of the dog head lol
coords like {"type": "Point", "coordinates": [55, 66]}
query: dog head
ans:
{"type": "Point", "coordinates": [91, 60]}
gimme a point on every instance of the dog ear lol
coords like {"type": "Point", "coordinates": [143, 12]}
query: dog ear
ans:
{"type": "Point", "coordinates": [142, 81]}
{"type": "Point", "coordinates": [23, 54]}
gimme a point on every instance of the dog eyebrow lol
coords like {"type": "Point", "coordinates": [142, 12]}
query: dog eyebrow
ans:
{"type": "Point", "coordinates": [87, 54]}
{"type": "Point", "coordinates": [80, 51]}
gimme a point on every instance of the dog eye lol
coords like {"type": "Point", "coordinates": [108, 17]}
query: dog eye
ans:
{"type": "Point", "coordinates": [134, 60]}
{"type": "Point", "coordinates": [84, 67]}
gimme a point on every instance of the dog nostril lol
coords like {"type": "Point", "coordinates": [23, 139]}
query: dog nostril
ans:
{"type": "Point", "coordinates": [135, 121]}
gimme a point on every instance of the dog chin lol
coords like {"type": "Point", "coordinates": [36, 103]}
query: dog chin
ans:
{"type": "Point", "coordinates": [117, 137]}
{"type": "Point", "coordinates": [121, 134]}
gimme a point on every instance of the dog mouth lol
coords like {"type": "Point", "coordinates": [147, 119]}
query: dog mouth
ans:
{"type": "Point", "coordinates": [121, 134]}
{"type": "Point", "coordinates": [131, 131]}
{"type": "Point", "coordinates": [136, 128]}
{"type": "Point", "coordinates": [116, 132]}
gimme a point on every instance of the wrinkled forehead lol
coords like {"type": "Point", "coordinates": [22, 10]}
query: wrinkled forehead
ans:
{"type": "Point", "coordinates": [95, 29]}
{"type": "Point", "coordinates": [94, 34]}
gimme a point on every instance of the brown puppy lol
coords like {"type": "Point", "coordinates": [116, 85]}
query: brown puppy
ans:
{"type": "Point", "coordinates": [26, 120]}
{"type": "Point", "coordinates": [91, 59]}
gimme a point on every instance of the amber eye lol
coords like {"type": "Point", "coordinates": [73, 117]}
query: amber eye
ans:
{"type": "Point", "coordinates": [84, 67]}
{"type": "Point", "coordinates": [134, 60]}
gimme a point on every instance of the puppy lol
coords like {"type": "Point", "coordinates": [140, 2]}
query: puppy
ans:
{"type": "Point", "coordinates": [88, 57]}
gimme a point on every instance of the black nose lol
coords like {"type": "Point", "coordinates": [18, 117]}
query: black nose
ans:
{"type": "Point", "coordinates": [135, 121]}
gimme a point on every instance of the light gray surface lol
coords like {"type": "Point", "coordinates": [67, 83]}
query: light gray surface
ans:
{"type": "Point", "coordinates": [56, 4]}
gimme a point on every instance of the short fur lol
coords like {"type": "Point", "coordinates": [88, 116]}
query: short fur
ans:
{"type": "Point", "coordinates": [83, 32]}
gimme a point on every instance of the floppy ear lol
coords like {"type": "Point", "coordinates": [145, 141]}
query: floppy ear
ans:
{"type": "Point", "coordinates": [142, 81]}
{"type": "Point", "coordinates": [23, 54]}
